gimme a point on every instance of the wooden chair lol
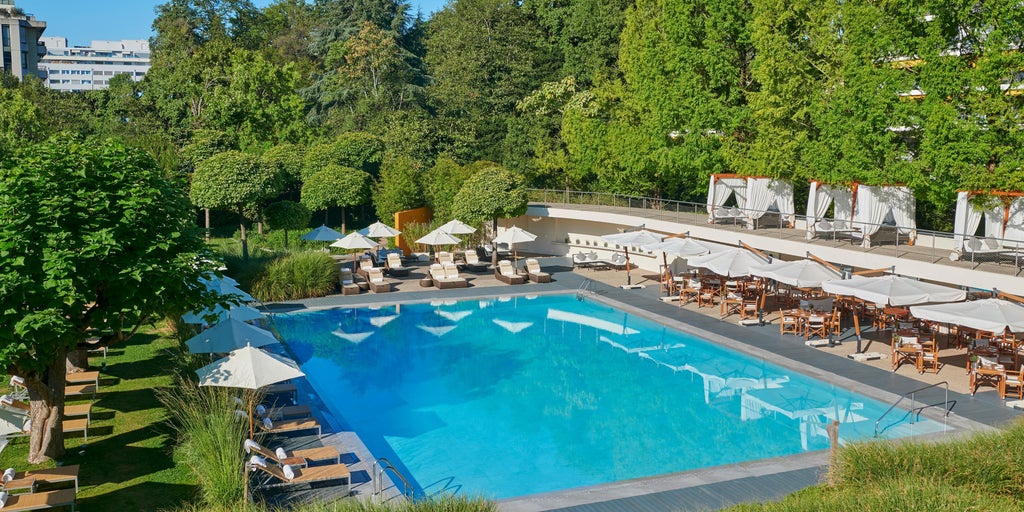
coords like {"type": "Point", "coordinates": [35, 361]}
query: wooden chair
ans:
{"type": "Point", "coordinates": [1013, 380]}
{"type": "Point", "coordinates": [750, 308]}
{"type": "Point", "coordinates": [709, 294]}
{"type": "Point", "coordinates": [834, 322]}
{"type": "Point", "coordinates": [987, 373]}
{"type": "Point", "coordinates": [689, 291]}
{"type": "Point", "coordinates": [929, 356]}
{"type": "Point", "coordinates": [816, 326]}
{"type": "Point", "coordinates": [731, 303]}
{"type": "Point", "coordinates": [905, 349]}
{"type": "Point", "coordinates": [789, 323]}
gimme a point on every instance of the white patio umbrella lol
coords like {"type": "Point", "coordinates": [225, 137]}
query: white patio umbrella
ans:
{"type": "Point", "coordinates": [248, 368]}
{"type": "Point", "coordinates": [322, 234]}
{"type": "Point", "coordinates": [893, 290]}
{"type": "Point", "coordinates": [439, 237]}
{"type": "Point", "coordinates": [13, 423]}
{"type": "Point", "coordinates": [210, 277]}
{"type": "Point", "coordinates": [222, 287]}
{"type": "Point", "coordinates": [684, 247]}
{"type": "Point", "coordinates": [639, 237]}
{"type": "Point", "coordinates": [730, 263]}
{"type": "Point", "coordinates": [513, 236]}
{"type": "Point", "coordinates": [800, 273]}
{"type": "Point", "coordinates": [992, 315]}
{"type": "Point", "coordinates": [219, 313]}
{"type": "Point", "coordinates": [457, 227]}
{"type": "Point", "coordinates": [379, 230]}
{"type": "Point", "coordinates": [229, 335]}
{"type": "Point", "coordinates": [354, 241]}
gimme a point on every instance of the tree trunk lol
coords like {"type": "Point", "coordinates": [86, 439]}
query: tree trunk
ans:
{"type": "Point", "coordinates": [207, 211]}
{"type": "Point", "coordinates": [327, 212]}
{"type": "Point", "coordinates": [78, 361]}
{"type": "Point", "coordinates": [47, 414]}
{"type": "Point", "coordinates": [343, 220]}
{"type": "Point", "coordinates": [494, 246]}
{"type": "Point", "coordinates": [245, 242]}
{"type": "Point", "coordinates": [259, 220]}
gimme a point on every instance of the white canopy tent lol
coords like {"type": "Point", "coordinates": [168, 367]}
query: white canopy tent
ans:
{"type": "Point", "coordinates": [820, 197]}
{"type": "Point", "coordinates": [755, 196]}
{"type": "Point", "coordinates": [875, 206]}
{"type": "Point", "coordinates": [1002, 215]}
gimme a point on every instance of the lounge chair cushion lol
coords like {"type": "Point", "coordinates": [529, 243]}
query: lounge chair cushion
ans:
{"type": "Point", "coordinates": [8, 475]}
{"type": "Point", "coordinates": [281, 454]}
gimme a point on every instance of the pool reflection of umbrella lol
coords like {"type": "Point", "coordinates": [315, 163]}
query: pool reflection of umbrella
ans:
{"type": "Point", "coordinates": [437, 331]}
{"type": "Point", "coordinates": [381, 321]}
{"type": "Point", "coordinates": [229, 335]}
{"type": "Point", "coordinates": [589, 321]}
{"type": "Point", "coordinates": [512, 236]}
{"type": "Point", "coordinates": [219, 314]}
{"type": "Point", "coordinates": [638, 237]}
{"type": "Point", "coordinates": [808, 405]}
{"type": "Point", "coordinates": [354, 241]}
{"type": "Point", "coordinates": [512, 327]}
{"type": "Point", "coordinates": [352, 337]}
{"type": "Point", "coordinates": [454, 316]}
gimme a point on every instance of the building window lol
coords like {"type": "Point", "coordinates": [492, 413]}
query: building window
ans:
{"type": "Point", "coordinates": [5, 35]}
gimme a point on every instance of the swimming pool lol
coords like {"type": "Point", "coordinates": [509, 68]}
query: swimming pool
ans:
{"type": "Point", "coordinates": [510, 397]}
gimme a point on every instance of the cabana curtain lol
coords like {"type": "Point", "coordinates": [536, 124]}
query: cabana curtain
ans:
{"type": "Point", "coordinates": [874, 204]}
{"type": "Point", "coordinates": [754, 196]}
{"type": "Point", "coordinates": [821, 197]}
{"type": "Point", "coordinates": [719, 190]}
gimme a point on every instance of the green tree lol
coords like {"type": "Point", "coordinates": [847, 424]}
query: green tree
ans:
{"type": "Point", "coordinates": [491, 193]}
{"type": "Point", "coordinates": [233, 180]}
{"type": "Point", "coordinates": [95, 241]}
{"type": "Point", "coordinates": [287, 215]}
{"type": "Point", "coordinates": [398, 189]}
{"type": "Point", "coordinates": [442, 183]}
{"type": "Point", "coordinates": [336, 186]}
{"type": "Point", "coordinates": [288, 161]}
{"type": "Point", "coordinates": [20, 120]}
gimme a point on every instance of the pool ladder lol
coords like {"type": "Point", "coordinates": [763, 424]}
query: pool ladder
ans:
{"type": "Point", "coordinates": [381, 466]}
{"type": "Point", "coordinates": [915, 412]}
{"type": "Point", "coordinates": [584, 289]}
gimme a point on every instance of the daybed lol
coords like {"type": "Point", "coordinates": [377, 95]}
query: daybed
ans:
{"type": "Point", "coordinates": [534, 273]}
{"type": "Point", "coordinates": [506, 273]}
{"type": "Point", "coordinates": [395, 267]}
{"type": "Point", "coordinates": [375, 278]}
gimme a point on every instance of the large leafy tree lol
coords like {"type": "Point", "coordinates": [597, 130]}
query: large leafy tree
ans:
{"type": "Point", "coordinates": [233, 180]}
{"type": "Point", "coordinates": [492, 192]}
{"type": "Point", "coordinates": [287, 215]}
{"type": "Point", "coordinates": [398, 188]}
{"type": "Point", "coordinates": [336, 186]}
{"type": "Point", "coordinates": [93, 240]}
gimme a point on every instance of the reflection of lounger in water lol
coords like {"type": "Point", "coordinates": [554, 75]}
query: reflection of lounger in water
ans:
{"type": "Point", "coordinates": [634, 344]}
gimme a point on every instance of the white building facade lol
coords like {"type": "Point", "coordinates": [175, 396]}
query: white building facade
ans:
{"type": "Point", "coordinates": [20, 48]}
{"type": "Point", "coordinates": [86, 68]}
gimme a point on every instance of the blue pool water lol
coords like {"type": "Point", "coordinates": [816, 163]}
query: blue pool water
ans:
{"type": "Point", "coordinates": [505, 398]}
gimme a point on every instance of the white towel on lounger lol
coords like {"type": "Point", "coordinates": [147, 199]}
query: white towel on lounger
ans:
{"type": "Point", "coordinates": [281, 454]}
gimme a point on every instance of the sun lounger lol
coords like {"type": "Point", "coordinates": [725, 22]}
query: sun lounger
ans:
{"type": "Point", "coordinates": [70, 410]}
{"type": "Point", "coordinates": [21, 480]}
{"type": "Point", "coordinates": [92, 377]}
{"type": "Point", "coordinates": [473, 263]}
{"type": "Point", "coordinates": [288, 426]}
{"type": "Point", "coordinates": [395, 267]}
{"type": "Point", "coordinates": [533, 272]}
{"type": "Point", "coordinates": [444, 257]}
{"type": "Point", "coordinates": [285, 388]}
{"type": "Point", "coordinates": [580, 260]}
{"type": "Point", "coordinates": [375, 277]}
{"type": "Point", "coordinates": [449, 277]}
{"type": "Point", "coordinates": [80, 390]}
{"type": "Point", "coordinates": [348, 284]}
{"type": "Point", "coordinates": [285, 412]}
{"type": "Point", "coordinates": [306, 475]}
{"type": "Point", "coordinates": [301, 458]}
{"type": "Point", "coordinates": [39, 500]}
{"type": "Point", "coordinates": [20, 392]}
{"type": "Point", "coordinates": [506, 273]}
{"type": "Point", "coordinates": [978, 250]}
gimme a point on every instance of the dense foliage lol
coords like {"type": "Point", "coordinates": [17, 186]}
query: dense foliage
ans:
{"type": "Point", "coordinates": [297, 276]}
{"type": "Point", "coordinates": [639, 97]}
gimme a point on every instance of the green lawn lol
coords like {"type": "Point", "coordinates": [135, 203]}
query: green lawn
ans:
{"type": "Point", "coordinates": [127, 463]}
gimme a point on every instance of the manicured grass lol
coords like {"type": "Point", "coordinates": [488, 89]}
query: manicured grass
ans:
{"type": "Point", "coordinates": [127, 463]}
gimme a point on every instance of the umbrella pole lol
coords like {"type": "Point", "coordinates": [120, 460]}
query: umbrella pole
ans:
{"type": "Point", "coordinates": [665, 275]}
{"type": "Point", "coordinates": [856, 328]}
{"type": "Point", "coordinates": [245, 464]}
{"type": "Point", "coordinates": [628, 280]}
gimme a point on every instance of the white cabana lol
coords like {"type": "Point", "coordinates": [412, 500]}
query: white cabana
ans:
{"type": "Point", "coordinates": [875, 206]}
{"type": "Point", "coordinates": [755, 196]}
{"type": "Point", "coordinates": [820, 197]}
{"type": "Point", "coordinates": [1002, 217]}
{"type": "Point", "coordinates": [893, 290]}
{"type": "Point", "coordinates": [992, 315]}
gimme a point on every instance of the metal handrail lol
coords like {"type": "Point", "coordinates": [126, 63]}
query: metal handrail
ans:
{"type": "Point", "coordinates": [672, 210]}
{"type": "Point", "coordinates": [918, 410]}
{"type": "Point", "coordinates": [383, 465]}
{"type": "Point", "coordinates": [583, 289]}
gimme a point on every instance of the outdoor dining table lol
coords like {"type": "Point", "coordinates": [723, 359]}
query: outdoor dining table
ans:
{"type": "Point", "coordinates": [987, 352]}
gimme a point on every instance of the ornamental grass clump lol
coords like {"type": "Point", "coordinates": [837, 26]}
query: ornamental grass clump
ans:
{"type": "Point", "coordinates": [297, 276]}
{"type": "Point", "coordinates": [442, 503]}
{"type": "Point", "coordinates": [209, 438]}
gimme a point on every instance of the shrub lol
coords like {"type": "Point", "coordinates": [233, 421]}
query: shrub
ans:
{"type": "Point", "coordinates": [297, 276]}
{"type": "Point", "coordinates": [209, 435]}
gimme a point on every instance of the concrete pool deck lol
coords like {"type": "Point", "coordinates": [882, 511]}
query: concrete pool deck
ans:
{"type": "Point", "coordinates": [705, 489]}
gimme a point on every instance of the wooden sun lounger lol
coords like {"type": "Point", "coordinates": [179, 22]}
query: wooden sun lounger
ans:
{"type": "Point", "coordinates": [92, 377]}
{"type": "Point", "coordinates": [40, 500]}
{"type": "Point", "coordinates": [70, 410]}
{"type": "Point", "coordinates": [288, 411]}
{"type": "Point", "coordinates": [310, 474]}
{"type": "Point", "coordinates": [300, 458]}
{"type": "Point", "coordinates": [295, 425]}
{"type": "Point", "coordinates": [30, 479]}
{"type": "Point", "coordinates": [80, 390]}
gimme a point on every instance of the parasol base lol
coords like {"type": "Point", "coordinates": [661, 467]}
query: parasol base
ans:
{"type": "Point", "coordinates": [1016, 404]}
{"type": "Point", "coordinates": [816, 343]}
{"type": "Point", "coordinates": [632, 286]}
{"type": "Point", "coordinates": [750, 322]}
{"type": "Point", "coordinates": [865, 356]}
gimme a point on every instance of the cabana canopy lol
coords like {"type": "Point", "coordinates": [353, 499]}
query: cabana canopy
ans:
{"type": "Point", "coordinates": [862, 207]}
{"type": "Point", "coordinates": [1003, 217]}
{"type": "Point", "coordinates": [755, 196]}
